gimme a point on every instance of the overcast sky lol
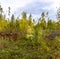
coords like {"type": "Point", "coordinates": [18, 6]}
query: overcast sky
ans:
{"type": "Point", "coordinates": [31, 6]}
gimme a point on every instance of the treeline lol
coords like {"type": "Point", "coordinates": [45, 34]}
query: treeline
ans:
{"type": "Point", "coordinates": [44, 22]}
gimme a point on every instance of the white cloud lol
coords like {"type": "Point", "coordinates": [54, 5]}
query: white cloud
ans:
{"type": "Point", "coordinates": [15, 4]}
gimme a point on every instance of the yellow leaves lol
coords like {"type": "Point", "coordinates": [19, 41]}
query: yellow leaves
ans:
{"type": "Point", "coordinates": [29, 36]}
{"type": "Point", "coordinates": [3, 24]}
{"type": "Point", "coordinates": [30, 32]}
{"type": "Point", "coordinates": [0, 28]}
{"type": "Point", "coordinates": [31, 25]}
{"type": "Point", "coordinates": [57, 39]}
{"type": "Point", "coordinates": [48, 48]}
{"type": "Point", "coordinates": [23, 25]}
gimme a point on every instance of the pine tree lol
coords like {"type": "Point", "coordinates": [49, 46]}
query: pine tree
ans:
{"type": "Point", "coordinates": [17, 25]}
{"type": "Point", "coordinates": [30, 19]}
{"type": "Point", "coordinates": [24, 16]}
{"type": "Point", "coordinates": [43, 22]}
{"type": "Point", "coordinates": [9, 11]}
{"type": "Point", "coordinates": [1, 11]}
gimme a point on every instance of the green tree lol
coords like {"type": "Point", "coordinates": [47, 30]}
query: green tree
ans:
{"type": "Point", "coordinates": [17, 25]}
{"type": "Point", "coordinates": [12, 23]}
{"type": "Point", "coordinates": [43, 22]}
{"type": "Point", "coordinates": [9, 11]}
{"type": "Point", "coordinates": [24, 16]}
{"type": "Point", "coordinates": [24, 24]}
{"type": "Point", "coordinates": [30, 21]}
{"type": "Point", "coordinates": [1, 11]}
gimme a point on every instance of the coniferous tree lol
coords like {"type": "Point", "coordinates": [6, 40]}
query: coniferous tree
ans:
{"type": "Point", "coordinates": [49, 24]}
{"type": "Point", "coordinates": [43, 22]}
{"type": "Point", "coordinates": [17, 25]}
{"type": "Point", "coordinates": [1, 11]}
{"type": "Point", "coordinates": [30, 19]}
{"type": "Point", "coordinates": [24, 16]}
{"type": "Point", "coordinates": [9, 11]}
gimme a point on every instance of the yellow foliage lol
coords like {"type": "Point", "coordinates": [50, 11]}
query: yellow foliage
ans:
{"type": "Point", "coordinates": [23, 25]}
{"type": "Point", "coordinates": [29, 32]}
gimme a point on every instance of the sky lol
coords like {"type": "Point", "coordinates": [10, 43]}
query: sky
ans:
{"type": "Point", "coordinates": [35, 7]}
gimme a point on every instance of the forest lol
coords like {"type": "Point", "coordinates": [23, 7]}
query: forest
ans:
{"type": "Point", "coordinates": [24, 38]}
